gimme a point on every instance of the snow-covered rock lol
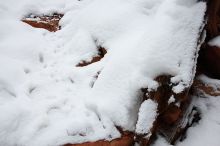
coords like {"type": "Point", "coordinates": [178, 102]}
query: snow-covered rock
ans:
{"type": "Point", "coordinates": [45, 99]}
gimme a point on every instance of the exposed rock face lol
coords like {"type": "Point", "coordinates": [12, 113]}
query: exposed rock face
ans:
{"type": "Point", "coordinates": [49, 22]}
{"type": "Point", "coordinates": [127, 139]}
{"type": "Point", "coordinates": [213, 13]}
{"type": "Point", "coordinates": [199, 87]}
{"type": "Point", "coordinates": [101, 53]}
{"type": "Point", "coordinates": [208, 61]}
{"type": "Point", "coordinates": [169, 121]}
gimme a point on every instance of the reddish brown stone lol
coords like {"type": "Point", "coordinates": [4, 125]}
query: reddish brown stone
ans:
{"type": "Point", "coordinates": [160, 96]}
{"type": "Point", "coordinates": [142, 140]}
{"type": "Point", "coordinates": [127, 139]}
{"type": "Point", "coordinates": [49, 22]}
{"type": "Point", "coordinates": [169, 119]}
{"type": "Point", "coordinates": [209, 62]}
{"type": "Point", "coordinates": [199, 88]}
{"type": "Point", "coordinates": [172, 114]}
{"type": "Point", "coordinates": [213, 13]}
{"type": "Point", "coordinates": [101, 53]}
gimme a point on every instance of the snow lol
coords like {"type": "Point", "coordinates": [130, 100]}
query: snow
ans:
{"type": "Point", "coordinates": [171, 99]}
{"type": "Point", "coordinates": [46, 100]}
{"type": "Point", "coordinates": [215, 41]}
{"type": "Point", "coordinates": [146, 117]}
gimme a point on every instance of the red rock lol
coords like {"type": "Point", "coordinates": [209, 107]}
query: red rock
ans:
{"type": "Point", "coordinates": [213, 13]}
{"type": "Point", "coordinates": [101, 53]}
{"type": "Point", "coordinates": [127, 139]}
{"type": "Point", "coordinates": [172, 114]}
{"type": "Point", "coordinates": [168, 121]}
{"type": "Point", "coordinates": [209, 62]}
{"type": "Point", "coordinates": [49, 22]}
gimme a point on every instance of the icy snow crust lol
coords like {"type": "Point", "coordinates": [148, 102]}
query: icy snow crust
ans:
{"type": "Point", "coordinates": [46, 100]}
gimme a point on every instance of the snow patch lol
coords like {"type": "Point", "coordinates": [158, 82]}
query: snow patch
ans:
{"type": "Point", "coordinates": [171, 99]}
{"type": "Point", "coordinates": [146, 117]}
